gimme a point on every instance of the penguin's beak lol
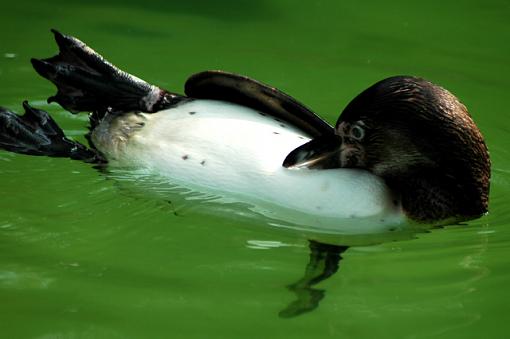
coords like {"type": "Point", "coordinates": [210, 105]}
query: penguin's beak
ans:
{"type": "Point", "coordinates": [320, 153]}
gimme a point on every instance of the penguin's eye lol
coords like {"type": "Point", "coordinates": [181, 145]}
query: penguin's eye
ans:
{"type": "Point", "coordinates": [357, 132]}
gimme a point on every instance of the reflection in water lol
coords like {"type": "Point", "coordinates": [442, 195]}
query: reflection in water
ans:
{"type": "Point", "coordinates": [20, 277]}
{"type": "Point", "coordinates": [325, 260]}
{"type": "Point", "coordinates": [330, 239]}
{"type": "Point", "coordinates": [323, 263]}
{"type": "Point", "coordinates": [184, 198]}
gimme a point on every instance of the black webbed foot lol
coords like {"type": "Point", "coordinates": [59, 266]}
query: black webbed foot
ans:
{"type": "Point", "coordinates": [86, 82]}
{"type": "Point", "coordinates": [36, 133]}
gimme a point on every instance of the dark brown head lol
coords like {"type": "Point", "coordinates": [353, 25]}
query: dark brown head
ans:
{"type": "Point", "coordinates": [420, 139]}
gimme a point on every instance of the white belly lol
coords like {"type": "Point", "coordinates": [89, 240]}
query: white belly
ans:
{"type": "Point", "coordinates": [236, 154]}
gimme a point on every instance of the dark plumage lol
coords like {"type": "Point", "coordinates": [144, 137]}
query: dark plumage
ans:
{"type": "Point", "coordinates": [421, 140]}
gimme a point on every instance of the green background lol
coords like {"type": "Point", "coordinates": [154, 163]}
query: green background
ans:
{"type": "Point", "coordinates": [81, 257]}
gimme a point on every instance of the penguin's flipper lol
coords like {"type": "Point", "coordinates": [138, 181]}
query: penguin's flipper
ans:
{"type": "Point", "coordinates": [242, 90]}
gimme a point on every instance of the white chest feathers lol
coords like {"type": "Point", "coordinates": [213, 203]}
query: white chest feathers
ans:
{"type": "Point", "coordinates": [236, 153]}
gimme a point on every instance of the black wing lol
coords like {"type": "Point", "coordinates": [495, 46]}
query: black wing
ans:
{"type": "Point", "coordinates": [219, 85]}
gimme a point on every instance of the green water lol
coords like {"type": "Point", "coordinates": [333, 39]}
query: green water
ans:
{"type": "Point", "coordinates": [83, 258]}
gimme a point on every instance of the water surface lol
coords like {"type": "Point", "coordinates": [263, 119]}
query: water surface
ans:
{"type": "Point", "coordinates": [83, 257]}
